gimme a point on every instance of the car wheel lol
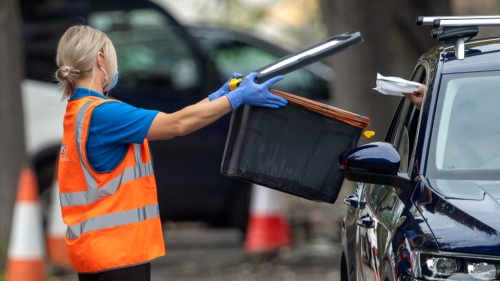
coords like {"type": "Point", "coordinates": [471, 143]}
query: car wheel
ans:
{"type": "Point", "coordinates": [238, 207]}
{"type": "Point", "coordinates": [45, 176]}
{"type": "Point", "coordinates": [344, 275]}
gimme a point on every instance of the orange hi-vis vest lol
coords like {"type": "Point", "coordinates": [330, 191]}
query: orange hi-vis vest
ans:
{"type": "Point", "coordinates": [113, 217]}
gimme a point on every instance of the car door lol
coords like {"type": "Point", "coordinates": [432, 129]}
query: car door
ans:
{"type": "Point", "coordinates": [387, 204]}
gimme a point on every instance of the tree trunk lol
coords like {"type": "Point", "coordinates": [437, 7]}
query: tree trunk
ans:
{"type": "Point", "coordinates": [392, 45]}
{"type": "Point", "coordinates": [12, 147]}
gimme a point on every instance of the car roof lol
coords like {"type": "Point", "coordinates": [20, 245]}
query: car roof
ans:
{"type": "Point", "coordinates": [480, 55]}
{"type": "Point", "coordinates": [228, 33]}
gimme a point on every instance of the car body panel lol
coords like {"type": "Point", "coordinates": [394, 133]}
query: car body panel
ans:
{"type": "Point", "coordinates": [464, 223]}
{"type": "Point", "coordinates": [43, 108]}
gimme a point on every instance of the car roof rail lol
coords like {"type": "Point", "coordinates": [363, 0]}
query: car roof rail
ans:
{"type": "Point", "coordinates": [454, 29]}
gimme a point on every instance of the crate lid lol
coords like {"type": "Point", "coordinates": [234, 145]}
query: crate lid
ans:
{"type": "Point", "coordinates": [302, 58]}
{"type": "Point", "coordinates": [329, 111]}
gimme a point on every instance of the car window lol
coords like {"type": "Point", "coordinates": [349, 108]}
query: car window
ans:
{"type": "Point", "coordinates": [376, 194]}
{"type": "Point", "coordinates": [382, 200]}
{"type": "Point", "coordinates": [386, 207]}
{"type": "Point", "coordinates": [43, 23]}
{"type": "Point", "coordinates": [233, 56]}
{"type": "Point", "coordinates": [406, 125]}
{"type": "Point", "coordinates": [466, 133]}
{"type": "Point", "coordinates": [400, 139]}
{"type": "Point", "coordinates": [152, 55]}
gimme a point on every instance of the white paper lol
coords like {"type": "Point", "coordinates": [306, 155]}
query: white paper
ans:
{"type": "Point", "coordinates": [395, 86]}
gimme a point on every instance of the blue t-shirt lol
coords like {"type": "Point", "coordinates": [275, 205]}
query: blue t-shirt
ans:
{"type": "Point", "coordinates": [113, 127]}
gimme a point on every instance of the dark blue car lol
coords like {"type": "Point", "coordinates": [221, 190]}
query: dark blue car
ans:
{"type": "Point", "coordinates": [427, 205]}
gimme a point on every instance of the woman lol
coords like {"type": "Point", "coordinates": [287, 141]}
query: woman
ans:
{"type": "Point", "coordinates": [107, 185]}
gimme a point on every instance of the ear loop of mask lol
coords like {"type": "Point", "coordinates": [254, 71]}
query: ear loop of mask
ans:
{"type": "Point", "coordinates": [106, 77]}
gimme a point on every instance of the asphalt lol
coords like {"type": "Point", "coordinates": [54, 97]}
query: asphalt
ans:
{"type": "Point", "coordinates": [197, 252]}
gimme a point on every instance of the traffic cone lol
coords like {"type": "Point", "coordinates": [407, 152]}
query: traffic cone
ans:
{"type": "Point", "coordinates": [56, 230]}
{"type": "Point", "coordinates": [268, 229]}
{"type": "Point", "coordinates": [26, 249]}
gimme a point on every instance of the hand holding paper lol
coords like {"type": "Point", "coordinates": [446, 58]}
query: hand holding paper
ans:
{"type": "Point", "coordinates": [395, 86]}
{"type": "Point", "coordinates": [417, 97]}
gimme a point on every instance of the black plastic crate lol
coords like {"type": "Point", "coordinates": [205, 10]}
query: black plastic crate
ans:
{"type": "Point", "coordinates": [293, 149]}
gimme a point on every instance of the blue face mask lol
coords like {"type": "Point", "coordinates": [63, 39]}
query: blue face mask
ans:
{"type": "Point", "coordinates": [114, 81]}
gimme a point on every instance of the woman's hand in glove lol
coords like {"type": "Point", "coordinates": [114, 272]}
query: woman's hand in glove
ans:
{"type": "Point", "coordinates": [251, 93]}
{"type": "Point", "coordinates": [224, 89]}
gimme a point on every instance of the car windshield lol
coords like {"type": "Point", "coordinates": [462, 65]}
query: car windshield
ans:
{"type": "Point", "coordinates": [466, 133]}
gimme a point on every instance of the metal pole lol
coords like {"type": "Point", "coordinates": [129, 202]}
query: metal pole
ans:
{"type": "Point", "coordinates": [430, 20]}
{"type": "Point", "coordinates": [466, 22]}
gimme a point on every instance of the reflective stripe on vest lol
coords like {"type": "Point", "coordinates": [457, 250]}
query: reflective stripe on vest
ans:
{"type": "Point", "coordinates": [69, 199]}
{"type": "Point", "coordinates": [114, 219]}
{"type": "Point", "coordinates": [91, 182]}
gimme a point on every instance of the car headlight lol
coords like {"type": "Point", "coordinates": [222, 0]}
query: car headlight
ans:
{"type": "Point", "coordinates": [442, 266]}
{"type": "Point", "coordinates": [451, 266]}
{"type": "Point", "coordinates": [484, 270]}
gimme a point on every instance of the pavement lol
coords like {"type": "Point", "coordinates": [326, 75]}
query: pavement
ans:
{"type": "Point", "coordinates": [197, 252]}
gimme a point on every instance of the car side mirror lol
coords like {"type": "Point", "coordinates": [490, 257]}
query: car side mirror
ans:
{"type": "Point", "coordinates": [376, 163]}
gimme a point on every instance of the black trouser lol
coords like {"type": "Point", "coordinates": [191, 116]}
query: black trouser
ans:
{"type": "Point", "coordinates": [134, 273]}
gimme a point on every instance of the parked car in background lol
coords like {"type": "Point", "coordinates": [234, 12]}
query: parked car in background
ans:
{"type": "Point", "coordinates": [163, 67]}
{"type": "Point", "coordinates": [427, 203]}
{"type": "Point", "coordinates": [234, 51]}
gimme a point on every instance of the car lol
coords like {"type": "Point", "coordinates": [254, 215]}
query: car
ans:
{"type": "Point", "coordinates": [162, 67]}
{"type": "Point", "coordinates": [235, 51]}
{"type": "Point", "coordinates": [427, 202]}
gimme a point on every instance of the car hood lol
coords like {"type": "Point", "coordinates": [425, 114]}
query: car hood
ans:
{"type": "Point", "coordinates": [463, 216]}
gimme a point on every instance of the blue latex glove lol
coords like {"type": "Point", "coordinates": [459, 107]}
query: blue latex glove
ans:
{"type": "Point", "coordinates": [224, 89]}
{"type": "Point", "coordinates": [251, 93]}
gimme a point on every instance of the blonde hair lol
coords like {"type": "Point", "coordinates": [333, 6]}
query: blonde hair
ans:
{"type": "Point", "coordinates": [77, 56]}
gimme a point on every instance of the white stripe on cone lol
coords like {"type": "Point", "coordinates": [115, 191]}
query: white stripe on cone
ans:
{"type": "Point", "coordinates": [265, 200]}
{"type": "Point", "coordinates": [26, 239]}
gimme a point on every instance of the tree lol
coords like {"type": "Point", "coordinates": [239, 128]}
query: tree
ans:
{"type": "Point", "coordinates": [392, 45]}
{"type": "Point", "coordinates": [12, 147]}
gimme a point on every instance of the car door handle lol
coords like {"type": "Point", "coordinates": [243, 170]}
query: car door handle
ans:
{"type": "Point", "coordinates": [366, 221]}
{"type": "Point", "coordinates": [353, 201]}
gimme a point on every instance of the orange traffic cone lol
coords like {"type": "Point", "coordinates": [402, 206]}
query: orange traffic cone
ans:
{"type": "Point", "coordinates": [268, 230]}
{"type": "Point", "coordinates": [56, 230]}
{"type": "Point", "coordinates": [26, 250]}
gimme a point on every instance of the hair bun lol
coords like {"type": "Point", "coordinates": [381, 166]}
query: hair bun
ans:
{"type": "Point", "coordinates": [64, 73]}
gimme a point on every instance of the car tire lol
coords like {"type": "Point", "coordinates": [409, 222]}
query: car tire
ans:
{"type": "Point", "coordinates": [238, 207]}
{"type": "Point", "coordinates": [344, 273]}
{"type": "Point", "coordinates": [45, 170]}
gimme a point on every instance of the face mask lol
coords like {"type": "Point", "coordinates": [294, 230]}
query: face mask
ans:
{"type": "Point", "coordinates": [114, 81]}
